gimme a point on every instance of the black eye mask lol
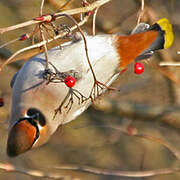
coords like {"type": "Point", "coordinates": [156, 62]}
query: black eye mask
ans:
{"type": "Point", "coordinates": [36, 115]}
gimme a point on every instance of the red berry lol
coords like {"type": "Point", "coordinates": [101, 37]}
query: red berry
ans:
{"type": "Point", "coordinates": [70, 81]}
{"type": "Point", "coordinates": [1, 102]}
{"type": "Point", "coordinates": [138, 68]}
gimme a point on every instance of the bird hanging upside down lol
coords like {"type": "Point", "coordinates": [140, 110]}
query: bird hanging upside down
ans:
{"type": "Point", "coordinates": [43, 100]}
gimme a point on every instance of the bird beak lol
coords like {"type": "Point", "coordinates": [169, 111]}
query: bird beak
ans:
{"type": "Point", "coordinates": [21, 137]}
{"type": "Point", "coordinates": [27, 133]}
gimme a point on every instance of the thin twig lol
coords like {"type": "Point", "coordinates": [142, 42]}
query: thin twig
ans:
{"type": "Point", "coordinates": [34, 173]}
{"type": "Point", "coordinates": [166, 72]}
{"type": "Point", "coordinates": [97, 84]}
{"type": "Point", "coordinates": [40, 44]}
{"type": "Point", "coordinates": [91, 7]}
{"type": "Point", "coordinates": [45, 45]}
{"type": "Point", "coordinates": [20, 38]}
{"type": "Point", "coordinates": [11, 58]}
{"type": "Point", "coordinates": [85, 42]}
{"type": "Point", "coordinates": [42, 35]}
{"type": "Point", "coordinates": [171, 148]}
{"type": "Point", "coordinates": [110, 172]}
{"type": "Point", "coordinates": [177, 64]}
{"type": "Point", "coordinates": [9, 42]}
{"type": "Point", "coordinates": [41, 8]}
{"type": "Point", "coordinates": [141, 12]}
{"type": "Point", "coordinates": [94, 22]}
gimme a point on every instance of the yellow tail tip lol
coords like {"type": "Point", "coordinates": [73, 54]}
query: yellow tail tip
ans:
{"type": "Point", "coordinates": [167, 28]}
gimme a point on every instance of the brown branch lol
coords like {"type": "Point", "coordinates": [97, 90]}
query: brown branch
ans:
{"type": "Point", "coordinates": [167, 72]}
{"type": "Point", "coordinates": [17, 26]}
{"type": "Point", "coordinates": [100, 171]}
{"type": "Point", "coordinates": [94, 22]}
{"type": "Point", "coordinates": [91, 7]}
{"type": "Point", "coordinates": [141, 12]}
{"type": "Point", "coordinates": [175, 64]}
{"type": "Point", "coordinates": [41, 8]}
{"type": "Point", "coordinates": [45, 45]}
{"type": "Point", "coordinates": [85, 43]}
{"type": "Point", "coordinates": [130, 131]}
{"type": "Point", "coordinates": [37, 173]}
{"type": "Point", "coordinates": [171, 148]}
{"type": "Point", "coordinates": [34, 173]}
{"type": "Point", "coordinates": [38, 45]}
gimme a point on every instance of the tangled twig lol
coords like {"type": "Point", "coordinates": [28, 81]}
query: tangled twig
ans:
{"type": "Point", "coordinates": [40, 44]}
{"type": "Point", "coordinates": [91, 7]}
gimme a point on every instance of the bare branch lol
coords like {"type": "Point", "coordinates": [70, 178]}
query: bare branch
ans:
{"type": "Point", "coordinates": [141, 12]}
{"type": "Point", "coordinates": [130, 131]}
{"type": "Point", "coordinates": [100, 171]}
{"type": "Point", "coordinates": [176, 64]}
{"type": "Point", "coordinates": [41, 8]}
{"type": "Point", "coordinates": [166, 72]}
{"type": "Point", "coordinates": [37, 173]}
{"type": "Point", "coordinates": [94, 22]}
{"type": "Point", "coordinates": [91, 7]}
{"type": "Point", "coordinates": [34, 173]}
{"type": "Point", "coordinates": [85, 42]}
{"type": "Point", "coordinates": [9, 42]}
{"type": "Point", "coordinates": [13, 59]}
{"type": "Point", "coordinates": [45, 45]}
{"type": "Point", "coordinates": [17, 26]}
{"type": "Point", "coordinates": [162, 142]}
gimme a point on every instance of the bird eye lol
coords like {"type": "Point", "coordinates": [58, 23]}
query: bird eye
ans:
{"type": "Point", "coordinates": [37, 115]}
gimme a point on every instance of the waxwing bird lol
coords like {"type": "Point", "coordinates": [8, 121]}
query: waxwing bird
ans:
{"type": "Point", "coordinates": [37, 93]}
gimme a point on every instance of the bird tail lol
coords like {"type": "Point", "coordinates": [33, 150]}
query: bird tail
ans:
{"type": "Point", "coordinates": [142, 44]}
